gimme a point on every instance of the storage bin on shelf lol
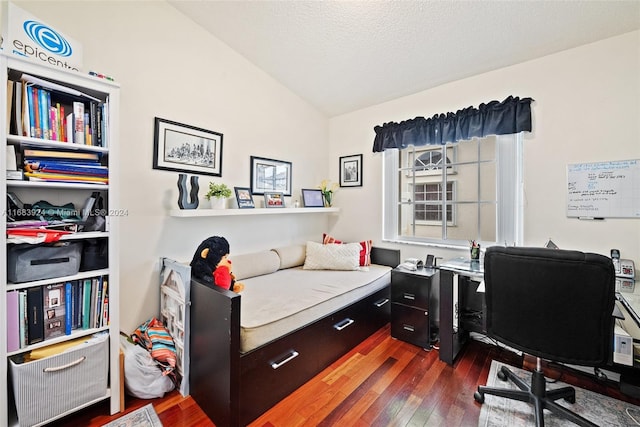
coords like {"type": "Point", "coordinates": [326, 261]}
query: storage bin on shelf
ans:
{"type": "Point", "coordinates": [49, 387]}
{"type": "Point", "coordinates": [26, 262]}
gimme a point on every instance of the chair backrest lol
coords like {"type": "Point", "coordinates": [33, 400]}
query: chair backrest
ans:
{"type": "Point", "coordinates": [551, 303]}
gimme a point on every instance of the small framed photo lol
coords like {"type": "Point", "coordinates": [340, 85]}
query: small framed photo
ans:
{"type": "Point", "coordinates": [351, 171]}
{"type": "Point", "coordinates": [312, 198]}
{"type": "Point", "coordinates": [188, 149]}
{"type": "Point", "coordinates": [273, 199]}
{"type": "Point", "coordinates": [270, 175]}
{"type": "Point", "coordinates": [244, 198]}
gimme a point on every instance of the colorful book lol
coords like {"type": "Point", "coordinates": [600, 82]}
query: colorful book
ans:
{"type": "Point", "coordinates": [13, 321]}
{"type": "Point", "coordinates": [86, 303]}
{"type": "Point", "coordinates": [78, 127]}
{"type": "Point", "coordinates": [34, 153]}
{"type": "Point", "coordinates": [68, 314]}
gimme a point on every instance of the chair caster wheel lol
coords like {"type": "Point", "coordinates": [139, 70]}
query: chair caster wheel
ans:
{"type": "Point", "coordinates": [478, 397]}
{"type": "Point", "coordinates": [502, 376]}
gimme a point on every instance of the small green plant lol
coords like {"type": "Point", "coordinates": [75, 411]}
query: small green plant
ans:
{"type": "Point", "coordinates": [218, 191]}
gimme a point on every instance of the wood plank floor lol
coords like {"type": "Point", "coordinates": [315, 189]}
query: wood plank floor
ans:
{"type": "Point", "coordinates": [381, 382]}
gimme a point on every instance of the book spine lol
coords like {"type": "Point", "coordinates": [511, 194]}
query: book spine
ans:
{"type": "Point", "coordinates": [86, 303]}
{"type": "Point", "coordinates": [68, 314]}
{"type": "Point", "coordinates": [32, 112]}
{"type": "Point", "coordinates": [34, 315]}
{"type": "Point", "coordinates": [78, 116]}
{"type": "Point", "coordinates": [13, 321]}
{"type": "Point", "coordinates": [26, 117]}
{"type": "Point", "coordinates": [44, 113]}
{"type": "Point", "coordinates": [24, 322]}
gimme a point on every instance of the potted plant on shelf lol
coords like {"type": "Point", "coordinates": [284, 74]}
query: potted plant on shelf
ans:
{"type": "Point", "coordinates": [218, 195]}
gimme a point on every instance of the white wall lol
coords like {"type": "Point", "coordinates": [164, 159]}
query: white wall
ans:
{"type": "Point", "coordinates": [586, 109]}
{"type": "Point", "coordinates": [169, 67]}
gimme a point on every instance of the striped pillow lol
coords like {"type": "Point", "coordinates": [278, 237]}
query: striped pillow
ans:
{"type": "Point", "coordinates": [365, 248]}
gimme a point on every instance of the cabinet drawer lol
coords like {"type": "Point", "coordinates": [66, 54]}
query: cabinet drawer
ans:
{"type": "Point", "coordinates": [410, 324]}
{"type": "Point", "coordinates": [410, 290]}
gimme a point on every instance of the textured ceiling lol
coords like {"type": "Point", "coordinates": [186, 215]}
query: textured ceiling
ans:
{"type": "Point", "coordinates": [345, 55]}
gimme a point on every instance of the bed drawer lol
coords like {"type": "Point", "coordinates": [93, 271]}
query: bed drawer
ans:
{"type": "Point", "coordinates": [348, 327]}
{"type": "Point", "coordinates": [273, 371]}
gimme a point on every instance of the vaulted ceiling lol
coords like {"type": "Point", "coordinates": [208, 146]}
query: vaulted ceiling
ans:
{"type": "Point", "coordinates": [345, 55]}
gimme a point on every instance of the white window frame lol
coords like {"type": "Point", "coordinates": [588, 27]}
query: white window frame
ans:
{"type": "Point", "coordinates": [509, 195]}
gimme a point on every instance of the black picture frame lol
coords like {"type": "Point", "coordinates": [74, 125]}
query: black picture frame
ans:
{"type": "Point", "coordinates": [312, 198]}
{"type": "Point", "coordinates": [350, 168]}
{"type": "Point", "coordinates": [183, 148]}
{"type": "Point", "coordinates": [244, 198]}
{"type": "Point", "coordinates": [273, 199]}
{"type": "Point", "coordinates": [270, 175]}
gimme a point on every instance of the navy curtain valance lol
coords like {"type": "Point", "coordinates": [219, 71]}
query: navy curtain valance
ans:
{"type": "Point", "coordinates": [513, 115]}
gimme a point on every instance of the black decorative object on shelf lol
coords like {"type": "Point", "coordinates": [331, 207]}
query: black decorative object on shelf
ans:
{"type": "Point", "coordinates": [193, 194]}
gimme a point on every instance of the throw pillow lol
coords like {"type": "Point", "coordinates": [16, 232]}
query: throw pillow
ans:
{"type": "Point", "coordinates": [365, 248]}
{"type": "Point", "coordinates": [332, 257]}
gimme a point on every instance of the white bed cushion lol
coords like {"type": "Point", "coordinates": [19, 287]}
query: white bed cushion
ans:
{"type": "Point", "coordinates": [254, 264]}
{"type": "Point", "coordinates": [276, 304]}
{"type": "Point", "coordinates": [332, 257]}
{"type": "Point", "coordinates": [291, 256]}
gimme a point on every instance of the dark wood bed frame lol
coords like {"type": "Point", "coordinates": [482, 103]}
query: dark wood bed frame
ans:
{"type": "Point", "coordinates": [233, 388]}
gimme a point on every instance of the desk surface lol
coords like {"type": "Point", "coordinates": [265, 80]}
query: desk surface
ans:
{"type": "Point", "coordinates": [465, 266]}
{"type": "Point", "coordinates": [630, 298]}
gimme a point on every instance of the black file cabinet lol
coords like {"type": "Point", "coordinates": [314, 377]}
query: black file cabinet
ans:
{"type": "Point", "coordinates": [412, 303]}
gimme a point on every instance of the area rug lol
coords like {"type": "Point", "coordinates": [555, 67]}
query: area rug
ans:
{"type": "Point", "coordinates": [141, 417]}
{"type": "Point", "coordinates": [599, 409]}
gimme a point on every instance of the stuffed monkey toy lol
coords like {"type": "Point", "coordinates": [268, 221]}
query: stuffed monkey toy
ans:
{"type": "Point", "coordinates": [211, 264]}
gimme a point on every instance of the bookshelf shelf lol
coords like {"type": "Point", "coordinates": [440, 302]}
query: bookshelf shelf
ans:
{"type": "Point", "coordinates": [194, 213]}
{"type": "Point", "coordinates": [104, 97]}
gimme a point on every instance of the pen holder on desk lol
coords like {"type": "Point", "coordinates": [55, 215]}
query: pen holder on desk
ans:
{"type": "Point", "coordinates": [475, 253]}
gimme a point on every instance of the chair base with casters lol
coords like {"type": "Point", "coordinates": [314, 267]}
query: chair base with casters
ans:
{"type": "Point", "coordinates": [536, 394]}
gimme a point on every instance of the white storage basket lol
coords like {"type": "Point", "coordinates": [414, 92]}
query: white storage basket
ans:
{"type": "Point", "coordinates": [46, 388]}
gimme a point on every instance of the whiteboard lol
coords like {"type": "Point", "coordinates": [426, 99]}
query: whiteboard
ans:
{"type": "Point", "coordinates": [604, 189]}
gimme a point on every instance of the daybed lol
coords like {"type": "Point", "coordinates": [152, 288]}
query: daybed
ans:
{"type": "Point", "coordinates": [250, 350]}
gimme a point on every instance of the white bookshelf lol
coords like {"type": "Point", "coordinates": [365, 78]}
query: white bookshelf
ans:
{"type": "Point", "coordinates": [30, 192]}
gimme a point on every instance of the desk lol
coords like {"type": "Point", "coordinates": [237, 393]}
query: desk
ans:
{"type": "Point", "coordinates": [461, 305]}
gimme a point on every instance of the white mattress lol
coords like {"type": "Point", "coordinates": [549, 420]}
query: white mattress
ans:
{"type": "Point", "coordinates": [272, 308]}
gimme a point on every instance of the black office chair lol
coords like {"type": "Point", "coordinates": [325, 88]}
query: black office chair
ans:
{"type": "Point", "coordinates": [552, 304]}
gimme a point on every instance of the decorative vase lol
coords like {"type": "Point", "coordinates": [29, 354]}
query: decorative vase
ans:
{"type": "Point", "coordinates": [327, 199]}
{"type": "Point", "coordinates": [475, 253]}
{"type": "Point", "coordinates": [218, 203]}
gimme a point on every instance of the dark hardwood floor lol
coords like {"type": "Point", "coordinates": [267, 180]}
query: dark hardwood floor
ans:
{"type": "Point", "coordinates": [381, 382]}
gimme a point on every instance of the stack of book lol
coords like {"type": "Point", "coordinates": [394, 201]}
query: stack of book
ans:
{"type": "Point", "coordinates": [64, 166]}
{"type": "Point", "coordinates": [45, 312]}
{"type": "Point", "coordinates": [47, 110]}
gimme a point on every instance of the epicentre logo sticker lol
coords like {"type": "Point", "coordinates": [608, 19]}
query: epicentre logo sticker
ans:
{"type": "Point", "coordinates": [47, 38]}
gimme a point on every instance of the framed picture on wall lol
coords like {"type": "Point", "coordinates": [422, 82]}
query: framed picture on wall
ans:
{"type": "Point", "coordinates": [351, 171]}
{"type": "Point", "coordinates": [270, 175]}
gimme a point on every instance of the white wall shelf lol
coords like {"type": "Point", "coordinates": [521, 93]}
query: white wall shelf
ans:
{"type": "Point", "coordinates": [192, 213]}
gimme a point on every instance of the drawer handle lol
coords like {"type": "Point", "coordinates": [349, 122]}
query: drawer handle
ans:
{"type": "Point", "coordinates": [409, 296]}
{"type": "Point", "coordinates": [343, 324]}
{"type": "Point", "coordinates": [68, 365]}
{"type": "Point", "coordinates": [408, 328]}
{"type": "Point", "coordinates": [381, 302]}
{"type": "Point", "coordinates": [293, 355]}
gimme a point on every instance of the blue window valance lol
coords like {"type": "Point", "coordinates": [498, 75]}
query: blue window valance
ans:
{"type": "Point", "coordinates": [513, 115]}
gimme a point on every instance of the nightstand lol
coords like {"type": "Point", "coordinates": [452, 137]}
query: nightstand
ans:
{"type": "Point", "coordinates": [412, 305]}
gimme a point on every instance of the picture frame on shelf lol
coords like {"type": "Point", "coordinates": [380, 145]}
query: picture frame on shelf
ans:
{"type": "Point", "coordinates": [273, 199]}
{"type": "Point", "coordinates": [244, 197]}
{"type": "Point", "coordinates": [350, 168]}
{"type": "Point", "coordinates": [270, 175]}
{"type": "Point", "coordinates": [312, 198]}
{"type": "Point", "coordinates": [183, 148]}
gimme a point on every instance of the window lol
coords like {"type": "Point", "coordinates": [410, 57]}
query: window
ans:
{"type": "Point", "coordinates": [476, 196]}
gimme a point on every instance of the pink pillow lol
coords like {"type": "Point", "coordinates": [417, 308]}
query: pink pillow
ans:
{"type": "Point", "coordinates": [365, 248]}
